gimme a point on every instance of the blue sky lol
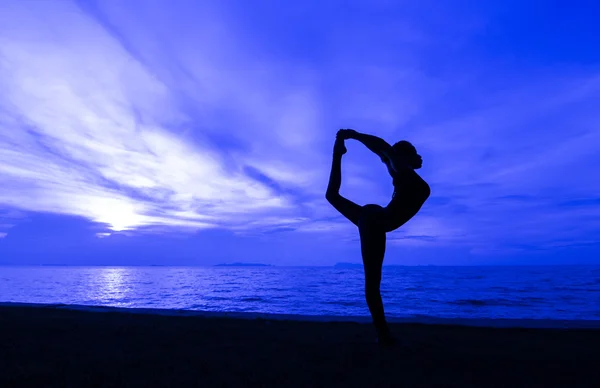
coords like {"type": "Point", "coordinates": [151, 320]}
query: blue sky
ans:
{"type": "Point", "coordinates": [186, 132]}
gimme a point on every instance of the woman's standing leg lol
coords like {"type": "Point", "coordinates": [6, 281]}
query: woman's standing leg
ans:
{"type": "Point", "coordinates": [373, 244]}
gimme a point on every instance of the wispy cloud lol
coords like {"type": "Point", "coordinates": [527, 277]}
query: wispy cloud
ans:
{"type": "Point", "coordinates": [78, 140]}
{"type": "Point", "coordinates": [210, 115]}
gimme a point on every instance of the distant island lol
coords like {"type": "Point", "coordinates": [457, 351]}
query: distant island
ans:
{"type": "Point", "coordinates": [243, 265]}
{"type": "Point", "coordinates": [348, 265]}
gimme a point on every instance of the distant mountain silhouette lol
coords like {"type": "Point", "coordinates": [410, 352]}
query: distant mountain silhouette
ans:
{"type": "Point", "coordinates": [348, 265]}
{"type": "Point", "coordinates": [243, 265]}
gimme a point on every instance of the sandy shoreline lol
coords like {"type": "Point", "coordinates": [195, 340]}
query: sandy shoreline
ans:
{"type": "Point", "coordinates": [496, 323]}
{"type": "Point", "coordinates": [53, 345]}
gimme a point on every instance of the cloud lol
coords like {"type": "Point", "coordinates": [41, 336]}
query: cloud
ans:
{"type": "Point", "coordinates": [205, 115]}
{"type": "Point", "coordinates": [78, 139]}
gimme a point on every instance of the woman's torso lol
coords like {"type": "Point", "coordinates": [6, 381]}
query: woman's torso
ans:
{"type": "Point", "coordinates": [410, 193]}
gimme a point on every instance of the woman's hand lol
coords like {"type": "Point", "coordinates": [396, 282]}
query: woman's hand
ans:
{"type": "Point", "coordinates": [346, 133]}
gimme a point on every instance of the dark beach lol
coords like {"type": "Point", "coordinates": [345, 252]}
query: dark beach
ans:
{"type": "Point", "coordinates": [56, 347]}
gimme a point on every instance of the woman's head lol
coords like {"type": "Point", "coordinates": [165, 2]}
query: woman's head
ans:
{"type": "Point", "coordinates": [408, 153]}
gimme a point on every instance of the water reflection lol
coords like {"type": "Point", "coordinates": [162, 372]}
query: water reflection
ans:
{"type": "Point", "coordinates": [112, 286]}
{"type": "Point", "coordinates": [571, 293]}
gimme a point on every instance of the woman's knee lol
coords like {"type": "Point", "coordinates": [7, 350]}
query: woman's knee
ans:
{"type": "Point", "coordinates": [331, 196]}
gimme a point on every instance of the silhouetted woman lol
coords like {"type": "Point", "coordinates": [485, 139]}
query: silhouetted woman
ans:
{"type": "Point", "coordinates": [374, 221]}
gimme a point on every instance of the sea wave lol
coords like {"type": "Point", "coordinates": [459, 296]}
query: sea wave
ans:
{"type": "Point", "coordinates": [489, 302]}
{"type": "Point", "coordinates": [252, 299]}
{"type": "Point", "coordinates": [436, 291]}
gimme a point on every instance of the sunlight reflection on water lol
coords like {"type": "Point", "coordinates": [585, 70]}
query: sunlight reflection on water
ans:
{"type": "Point", "coordinates": [466, 292]}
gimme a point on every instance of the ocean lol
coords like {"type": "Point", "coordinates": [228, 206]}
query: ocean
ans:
{"type": "Point", "coordinates": [536, 292]}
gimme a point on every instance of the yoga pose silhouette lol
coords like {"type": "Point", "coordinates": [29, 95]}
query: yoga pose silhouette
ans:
{"type": "Point", "coordinates": [374, 221]}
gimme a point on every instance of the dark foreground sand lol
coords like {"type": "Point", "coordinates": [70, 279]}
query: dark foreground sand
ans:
{"type": "Point", "coordinates": [48, 347]}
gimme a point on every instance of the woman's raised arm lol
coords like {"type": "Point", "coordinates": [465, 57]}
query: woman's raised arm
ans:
{"type": "Point", "coordinates": [376, 144]}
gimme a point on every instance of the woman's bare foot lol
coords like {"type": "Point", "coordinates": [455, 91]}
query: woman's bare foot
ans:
{"type": "Point", "coordinates": [339, 148]}
{"type": "Point", "coordinates": [387, 340]}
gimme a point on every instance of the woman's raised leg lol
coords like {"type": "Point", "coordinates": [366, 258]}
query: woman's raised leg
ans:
{"type": "Point", "coordinates": [347, 208]}
{"type": "Point", "coordinates": [369, 220]}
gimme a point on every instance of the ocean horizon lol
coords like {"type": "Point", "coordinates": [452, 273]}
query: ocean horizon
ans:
{"type": "Point", "coordinates": [355, 264]}
{"type": "Point", "coordinates": [556, 292]}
